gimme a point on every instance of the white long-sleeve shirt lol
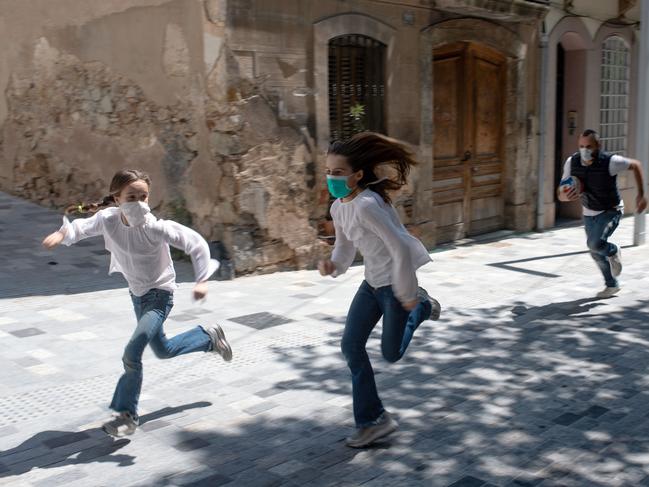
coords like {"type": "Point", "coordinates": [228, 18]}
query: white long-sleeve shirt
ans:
{"type": "Point", "coordinates": [142, 253]}
{"type": "Point", "coordinates": [391, 254]}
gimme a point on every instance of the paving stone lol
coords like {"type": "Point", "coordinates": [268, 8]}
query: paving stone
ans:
{"type": "Point", "coordinates": [192, 444]}
{"type": "Point", "coordinates": [27, 332]}
{"type": "Point", "coordinates": [468, 481]}
{"type": "Point", "coordinates": [260, 321]}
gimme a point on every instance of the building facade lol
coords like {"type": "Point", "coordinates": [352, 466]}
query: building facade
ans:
{"type": "Point", "coordinates": [231, 104]}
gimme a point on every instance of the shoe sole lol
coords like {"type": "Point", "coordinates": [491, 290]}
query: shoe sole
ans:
{"type": "Point", "coordinates": [616, 266]}
{"type": "Point", "coordinates": [393, 427]}
{"type": "Point", "coordinates": [224, 350]}
{"type": "Point", "coordinates": [616, 270]}
{"type": "Point", "coordinates": [437, 309]}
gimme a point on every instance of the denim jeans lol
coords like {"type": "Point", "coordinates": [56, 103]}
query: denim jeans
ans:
{"type": "Point", "coordinates": [598, 230]}
{"type": "Point", "coordinates": [399, 325]}
{"type": "Point", "coordinates": [151, 311]}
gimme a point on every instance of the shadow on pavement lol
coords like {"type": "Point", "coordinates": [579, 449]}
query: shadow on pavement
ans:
{"type": "Point", "coordinates": [507, 265]}
{"type": "Point", "coordinates": [552, 400]}
{"type": "Point", "coordinates": [53, 449]}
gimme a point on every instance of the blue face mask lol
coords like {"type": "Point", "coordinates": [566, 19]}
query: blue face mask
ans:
{"type": "Point", "coordinates": [338, 186]}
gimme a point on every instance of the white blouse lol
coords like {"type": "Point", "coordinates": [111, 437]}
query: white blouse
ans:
{"type": "Point", "coordinates": [142, 253]}
{"type": "Point", "coordinates": [391, 254]}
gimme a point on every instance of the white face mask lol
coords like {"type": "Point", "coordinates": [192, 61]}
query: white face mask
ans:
{"type": "Point", "coordinates": [135, 212]}
{"type": "Point", "coordinates": [586, 154]}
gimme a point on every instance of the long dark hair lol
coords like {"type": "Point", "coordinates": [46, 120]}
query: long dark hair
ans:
{"type": "Point", "coordinates": [367, 151]}
{"type": "Point", "coordinates": [120, 180]}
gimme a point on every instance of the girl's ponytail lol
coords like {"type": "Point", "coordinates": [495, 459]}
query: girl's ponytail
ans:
{"type": "Point", "coordinates": [367, 151]}
{"type": "Point", "coordinates": [120, 180]}
{"type": "Point", "coordinates": [86, 208]}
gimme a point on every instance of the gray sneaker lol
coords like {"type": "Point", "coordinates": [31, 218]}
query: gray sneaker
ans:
{"type": "Point", "coordinates": [123, 424]}
{"type": "Point", "coordinates": [368, 435]}
{"type": "Point", "coordinates": [615, 262]}
{"type": "Point", "coordinates": [436, 308]}
{"type": "Point", "coordinates": [219, 344]}
{"type": "Point", "coordinates": [608, 292]}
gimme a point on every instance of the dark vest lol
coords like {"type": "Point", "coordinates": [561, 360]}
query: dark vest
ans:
{"type": "Point", "coordinates": [599, 188]}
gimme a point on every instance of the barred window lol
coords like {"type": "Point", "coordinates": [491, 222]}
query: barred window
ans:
{"type": "Point", "coordinates": [356, 85]}
{"type": "Point", "coordinates": [614, 95]}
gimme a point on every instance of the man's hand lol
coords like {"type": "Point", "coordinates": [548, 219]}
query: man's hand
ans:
{"type": "Point", "coordinates": [326, 267]}
{"type": "Point", "coordinates": [640, 204]}
{"type": "Point", "coordinates": [570, 195]}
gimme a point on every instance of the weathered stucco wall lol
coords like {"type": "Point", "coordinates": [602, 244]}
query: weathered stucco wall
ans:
{"type": "Point", "coordinates": [89, 88]}
{"type": "Point", "coordinates": [221, 101]}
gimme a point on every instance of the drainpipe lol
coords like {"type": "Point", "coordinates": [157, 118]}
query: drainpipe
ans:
{"type": "Point", "coordinates": [540, 207]}
{"type": "Point", "coordinates": [642, 125]}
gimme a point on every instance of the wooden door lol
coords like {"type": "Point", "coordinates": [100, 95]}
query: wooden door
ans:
{"type": "Point", "coordinates": [469, 95]}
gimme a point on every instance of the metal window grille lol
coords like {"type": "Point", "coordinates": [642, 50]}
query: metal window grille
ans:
{"type": "Point", "coordinates": [356, 76]}
{"type": "Point", "coordinates": [614, 95]}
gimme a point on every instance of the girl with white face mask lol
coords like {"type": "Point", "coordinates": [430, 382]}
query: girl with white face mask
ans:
{"type": "Point", "coordinates": [139, 246]}
{"type": "Point", "coordinates": [365, 219]}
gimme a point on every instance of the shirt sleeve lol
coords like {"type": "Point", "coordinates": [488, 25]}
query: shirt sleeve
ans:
{"type": "Point", "coordinates": [566, 168]}
{"type": "Point", "coordinates": [190, 242]}
{"type": "Point", "coordinates": [618, 164]}
{"type": "Point", "coordinates": [81, 228]}
{"type": "Point", "coordinates": [404, 278]}
{"type": "Point", "coordinates": [343, 253]}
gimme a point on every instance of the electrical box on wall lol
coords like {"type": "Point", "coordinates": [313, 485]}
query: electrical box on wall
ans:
{"type": "Point", "coordinates": [572, 122]}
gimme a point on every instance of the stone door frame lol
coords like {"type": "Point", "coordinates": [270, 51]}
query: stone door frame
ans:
{"type": "Point", "coordinates": [516, 156]}
{"type": "Point", "coordinates": [323, 31]}
{"type": "Point", "coordinates": [574, 32]}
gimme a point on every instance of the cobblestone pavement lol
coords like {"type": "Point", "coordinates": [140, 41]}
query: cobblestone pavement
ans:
{"type": "Point", "coordinates": [526, 380]}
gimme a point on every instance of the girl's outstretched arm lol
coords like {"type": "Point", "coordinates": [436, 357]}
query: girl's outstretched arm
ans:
{"type": "Point", "coordinates": [53, 239]}
{"type": "Point", "coordinates": [72, 232]}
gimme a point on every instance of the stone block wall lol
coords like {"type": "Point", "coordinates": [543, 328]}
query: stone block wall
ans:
{"type": "Point", "coordinates": [154, 85]}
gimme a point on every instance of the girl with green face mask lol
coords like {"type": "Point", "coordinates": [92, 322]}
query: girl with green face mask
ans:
{"type": "Point", "coordinates": [365, 220]}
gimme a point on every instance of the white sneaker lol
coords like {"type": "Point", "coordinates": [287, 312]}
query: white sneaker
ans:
{"type": "Point", "coordinates": [436, 308]}
{"type": "Point", "coordinates": [219, 344]}
{"type": "Point", "coordinates": [608, 292]}
{"type": "Point", "coordinates": [123, 424]}
{"type": "Point", "coordinates": [615, 261]}
{"type": "Point", "coordinates": [368, 435]}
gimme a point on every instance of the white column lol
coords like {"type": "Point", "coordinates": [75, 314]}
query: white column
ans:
{"type": "Point", "coordinates": [642, 125]}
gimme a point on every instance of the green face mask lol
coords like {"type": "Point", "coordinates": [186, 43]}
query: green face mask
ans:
{"type": "Point", "coordinates": [338, 186]}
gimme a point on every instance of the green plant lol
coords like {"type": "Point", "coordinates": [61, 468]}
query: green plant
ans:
{"type": "Point", "coordinates": [357, 114]}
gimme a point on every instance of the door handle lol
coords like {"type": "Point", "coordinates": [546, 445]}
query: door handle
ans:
{"type": "Point", "coordinates": [467, 156]}
{"type": "Point", "coordinates": [475, 169]}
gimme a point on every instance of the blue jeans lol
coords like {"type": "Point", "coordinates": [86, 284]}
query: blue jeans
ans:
{"type": "Point", "coordinates": [399, 325]}
{"type": "Point", "coordinates": [151, 311]}
{"type": "Point", "coordinates": [598, 230]}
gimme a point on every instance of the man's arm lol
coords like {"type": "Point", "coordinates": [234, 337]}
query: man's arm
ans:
{"type": "Point", "coordinates": [641, 201]}
{"type": "Point", "coordinates": [571, 195]}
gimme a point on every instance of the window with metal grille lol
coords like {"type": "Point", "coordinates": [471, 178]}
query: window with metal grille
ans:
{"type": "Point", "coordinates": [356, 85]}
{"type": "Point", "coordinates": [614, 95]}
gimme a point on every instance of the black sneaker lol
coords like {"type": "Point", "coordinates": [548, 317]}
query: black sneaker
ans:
{"type": "Point", "coordinates": [436, 308]}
